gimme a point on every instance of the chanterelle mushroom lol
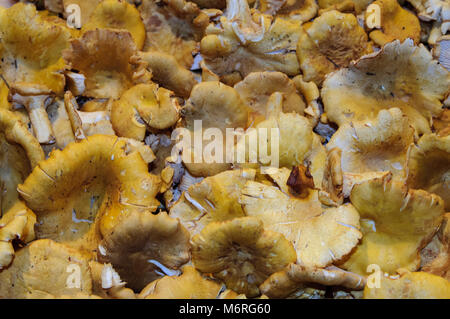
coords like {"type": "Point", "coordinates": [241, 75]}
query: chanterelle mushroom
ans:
{"type": "Point", "coordinates": [372, 146]}
{"type": "Point", "coordinates": [47, 267]}
{"type": "Point", "coordinates": [429, 166]}
{"type": "Point", "coordinates": [396, 222]}
{"type": "Point", "coordinates": [31, 48]}
{"type": "Point", "coordinates": [242, 45]}
{"type": "Point", "coordinates": [107, 58]}
{"type": "Point", "coordinates": [410, 285]}
{"type": "Point", "coordinates": [120, 15]}
{"type": "Point", "coordinates": [141, 244]}
{"type": "Point", "coordinates": [216, 106]}
{"type": "Point", "coordinates": [332, 41]}
{"type": "Point", "coordinates": [396, 23]}
{"type": "Point", "coordinates": [173, 27]}
{"type": "Point", "coordinates": [79, 193]}
{"type": "Point", "coordinates": [400, 75]}
{"type": "Point", "coordinates": [169, 73]}
{"type": "Point", "coordinates": [241, 253]}
{"type": "Point", "coordinates": [19, 154]}
{"type": "Point", "coordinates": [320, 237]}
{"type": "Point", "coordinates": [216, 198]}
{"type": "Point", "coordinates": [257, 87]}
{"type": "Point", "coordinates": [189, 285]}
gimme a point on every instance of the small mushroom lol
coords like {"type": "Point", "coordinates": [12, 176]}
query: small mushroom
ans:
{"type": "Point", "coordinates": [241, 253]}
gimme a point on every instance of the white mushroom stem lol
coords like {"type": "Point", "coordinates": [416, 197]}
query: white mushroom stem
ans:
{"type": "Point", "coordinates": [35, 99]}
{"type": "Point", "coordinates": [71, 107]}
{"type": "Point", "coordinates": [238, 13]}
{"type": "Point", "coordinates": [76, 82]}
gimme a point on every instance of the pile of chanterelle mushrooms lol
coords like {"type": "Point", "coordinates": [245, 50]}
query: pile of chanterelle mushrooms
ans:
{"type": "Point", "coordinates": [97, 200]}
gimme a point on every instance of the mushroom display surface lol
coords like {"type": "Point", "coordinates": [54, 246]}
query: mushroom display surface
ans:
{"type": "Point", "coordinates": [224, 149]}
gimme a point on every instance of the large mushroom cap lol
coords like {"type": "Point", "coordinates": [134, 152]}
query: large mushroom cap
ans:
{"type": "Point", "coordinates": [242, 45]}
{"type": "Point", "coordinates": [241, 253]}
{"type": "Point", "coordinates": [397, 224]}
{"type": "Point", "coordinates": [45, 267]}
{"type": "Point", "coordinates": [429, 166]}
{"type": "Point", "coordinates": [120, 15]}
{"type": "Point", "coordinates": [31, 48]}
{"type": "Point", "coordinates": [81, 191]}
{"type": "Point", "coordinates": [106, 57]}
{"type": "Point", "coordinates": [396, 23]}
{"type": "Point", "coordinates": [320, 237]}
{"type": "Point", "coordinates": [372, 148]}
{"type": "Point", "coordinates": [332, 41]}
{"type": "Point", "coordinates": [257, 87]}
{"type": "Point", "coordinates": [173, 27]}
{"type": "Point", "coordinates": [400, 75]}
{"type": "Point", "coordinates": [141, 244]}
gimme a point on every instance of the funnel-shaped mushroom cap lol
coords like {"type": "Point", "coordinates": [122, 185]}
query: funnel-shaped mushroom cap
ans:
{"type": "Point", "coordinates": [46, 267]}
{"type": "Point", "coordinates": [81, 191]}
{"type": "Point", "coordinates": [241, 253]}
{"type": "Point", "coordinates": [107, 58]}
{"type": "Point", "coordinates": [141, 244]}
{"type": "Point", "coordinates": [397, 224]}
{"type": "Point", "coordinates": [120, 15]}
{"type": "Point", "coordinates": [31, 47]}
{"type": "Point", "coordinates": [400, 75]}
{"type": "Point", "coordinates": [242, 45]}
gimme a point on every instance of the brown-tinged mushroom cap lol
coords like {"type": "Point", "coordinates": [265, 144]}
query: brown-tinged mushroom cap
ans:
{"type": "Point", "coordinates": [320, 237]}
{"type": "Point", "coordinates": [120, 15]}
{"type": "Point", "coordinates": [241, 253]}
{"type": "Point", "coordinates": [410, 285]}
{"type": "Point", "coordinates": [397, 224]}
{"type": "Point", "coordinates": [429, 166]}
{"type": "Point", "coordinates": [242, 45]}
{"type": "Point", "coordinates": [31, 48]}
{"type": "Point", "coordinates": [332, 41]}
{"type": "Point", "coordinates": [173, 27]}
{"type": "Point", "coordinates": [107, 58]}
{"type": "Point", "coordinates": [396, 23]}
{"type": "Point", "coordinates": [257, 87]}
{"type": "Point", "coordinates": [169, 73]}
{"type": "Point", "coordinates": [45, 266]}
{"type": "Point", "coordinates": [80, 192]}
{"type": "Point", "coordinates": [189, 285]}
{"type": "Point", "coordinates": [141, 243]}
{"type": "Point", "coordinates": [19, 154]}
{"type": "Point", "coordinates": [216, 198]}
{"type": "Point", "coordinates": [400, 75]}
{"type": "Point", "coordinates": [295, 277]}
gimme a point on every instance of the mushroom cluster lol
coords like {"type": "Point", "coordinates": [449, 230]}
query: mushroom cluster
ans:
{"type": "Point", "coordinates": [224, 149]}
